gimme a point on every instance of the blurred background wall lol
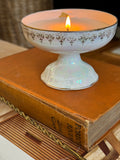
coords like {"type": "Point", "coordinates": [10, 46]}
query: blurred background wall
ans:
{"type": "Point", "coordinates": [11, 13]}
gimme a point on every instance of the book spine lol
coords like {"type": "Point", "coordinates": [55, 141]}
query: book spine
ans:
{"type": "Point", "coordinates": [46, 114]}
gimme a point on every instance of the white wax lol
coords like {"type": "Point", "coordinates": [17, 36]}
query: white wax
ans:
{"type": "Point", "coordinates": [77, 24]}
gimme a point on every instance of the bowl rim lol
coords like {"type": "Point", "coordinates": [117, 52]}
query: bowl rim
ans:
{"type": "Point", "coordinates": [47, 30]}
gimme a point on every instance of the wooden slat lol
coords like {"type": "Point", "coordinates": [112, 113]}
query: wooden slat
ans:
{"type": "Point", "coordinates": [7, 116]}
{"type": "Point", "coordinates": [32, 146]}
{"type": "Point", "coordinates": [15, 130]}
{"type": "Point", "coordinates": [37, 132]}
{"type": "Point", "coordinates": [113, 155]}
{"type": "Point", "coordinates": [113, 141]}
{"type": "Point", "coordinates": [104, 147]}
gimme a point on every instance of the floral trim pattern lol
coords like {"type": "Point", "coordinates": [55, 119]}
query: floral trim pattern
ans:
{"type": "Point", "coordinates": [61, 37]}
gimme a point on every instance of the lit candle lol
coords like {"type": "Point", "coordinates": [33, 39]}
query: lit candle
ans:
{"type": "Point", "coordinates": [76, 20]}
{"type": "Point", "coordinates": [68, 23]}
{"type": "Point", "coordinates": [84, 31]}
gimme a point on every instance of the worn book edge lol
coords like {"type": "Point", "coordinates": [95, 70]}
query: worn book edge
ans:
{"type": "Point", "coordinates": [76, 130]}
{"type": "Point", "coordinates": [43, 130]}
{"type": "Point", "coordinates": [80, 131]}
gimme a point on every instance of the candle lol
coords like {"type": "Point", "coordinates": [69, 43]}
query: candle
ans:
{"type": "Point", "coordinates": [86, 30]}
{"type": "Point", "coordinates": [77, 24]}
{"type": "Point", "coordinates": [82, 20]}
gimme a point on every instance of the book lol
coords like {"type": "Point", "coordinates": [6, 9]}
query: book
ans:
{"type": "Point", "coordinates": [106, 53]}
{"type": "Point", "coordinates": [83, 116]}
{"type": "Point", "coordinates": [40, 143]}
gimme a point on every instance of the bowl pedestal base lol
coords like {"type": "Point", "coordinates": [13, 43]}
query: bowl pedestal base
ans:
{"type": "Point", "coordinates": [69, 72]}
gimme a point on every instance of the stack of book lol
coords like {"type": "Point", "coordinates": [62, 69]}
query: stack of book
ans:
{"type": "Point", "coordinates": [83, 116]}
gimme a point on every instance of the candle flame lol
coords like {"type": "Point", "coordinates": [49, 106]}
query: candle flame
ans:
{"type": "Point", "coordinates": [68, 23]}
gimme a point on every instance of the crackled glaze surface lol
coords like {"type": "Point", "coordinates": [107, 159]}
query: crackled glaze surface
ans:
{"type": "Point", "coordinates": [69, 72]}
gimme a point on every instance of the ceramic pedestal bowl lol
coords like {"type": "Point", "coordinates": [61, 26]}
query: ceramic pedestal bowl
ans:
{"type": "Point", "coordinates": [90, 30]}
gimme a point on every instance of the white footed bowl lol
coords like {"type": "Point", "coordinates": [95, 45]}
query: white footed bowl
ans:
{"type": "Point", "coordinates": [92, 29]}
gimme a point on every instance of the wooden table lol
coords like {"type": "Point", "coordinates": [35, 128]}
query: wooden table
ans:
{"type": "Point", "coordinates": [112, 139]}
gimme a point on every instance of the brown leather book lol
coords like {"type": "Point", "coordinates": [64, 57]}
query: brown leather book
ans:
{"type": "Point", "coordinates": [83, 116]}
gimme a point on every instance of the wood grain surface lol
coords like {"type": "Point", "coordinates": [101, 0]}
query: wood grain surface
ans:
{"type": "Point", "coordinates": [16, 130]}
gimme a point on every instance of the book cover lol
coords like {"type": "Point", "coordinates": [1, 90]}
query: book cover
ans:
{"type": "Point", "coordinates": [83, 116]}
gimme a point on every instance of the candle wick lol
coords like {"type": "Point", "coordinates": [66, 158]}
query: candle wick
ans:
{"type": "Point", "coordinates": [67, 28]}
